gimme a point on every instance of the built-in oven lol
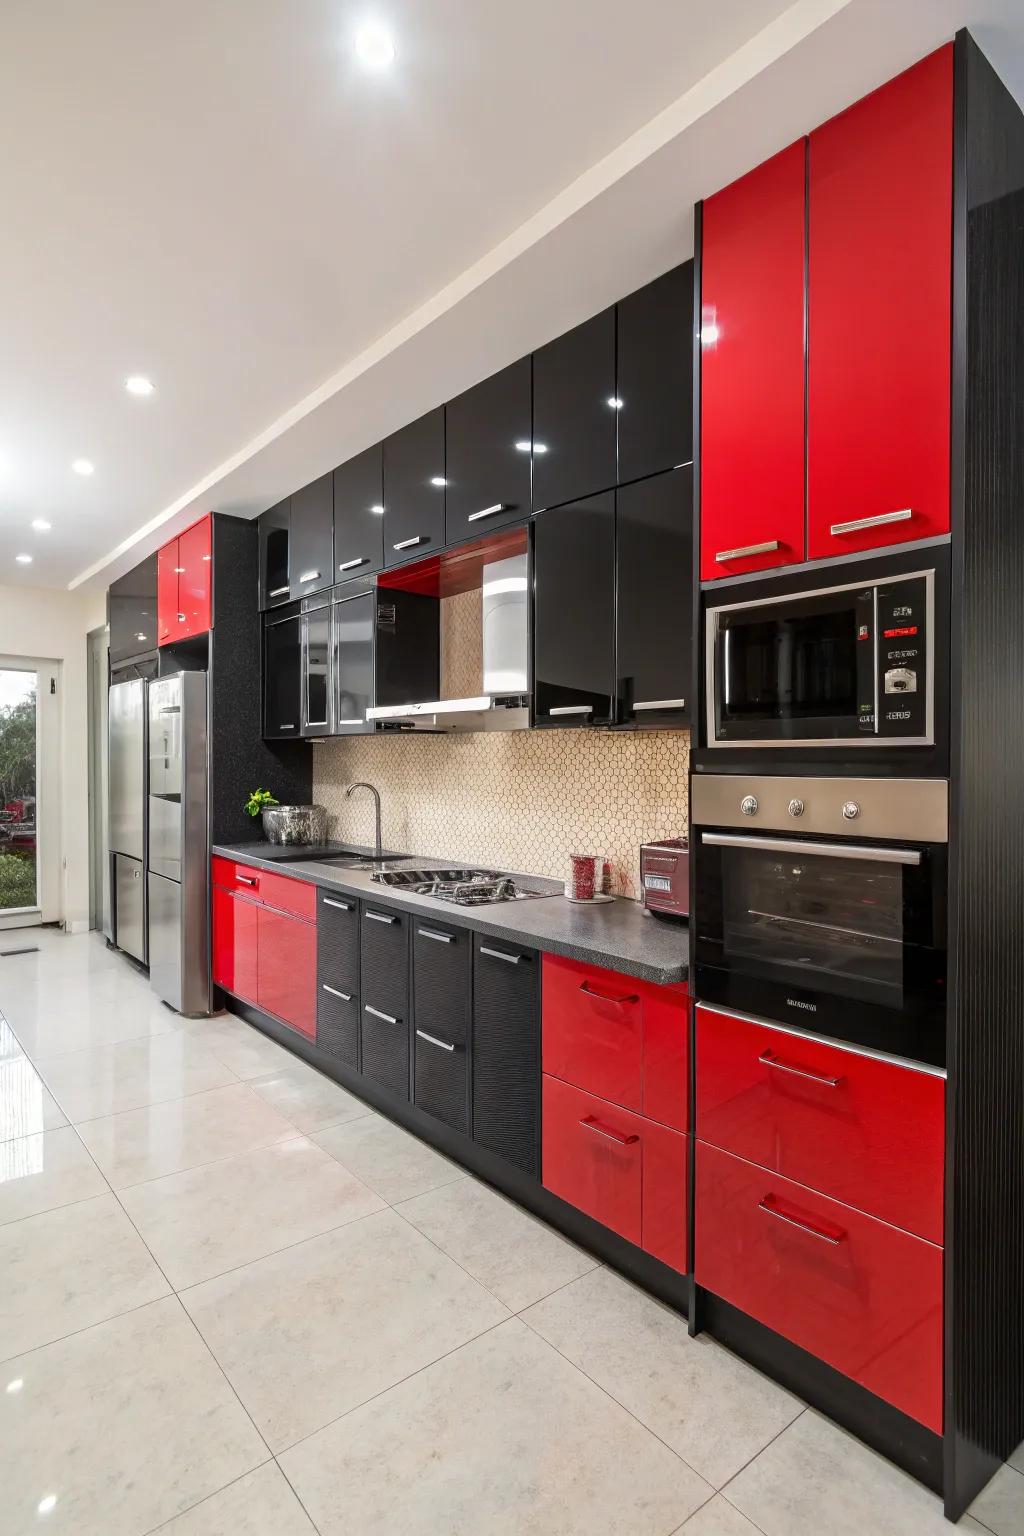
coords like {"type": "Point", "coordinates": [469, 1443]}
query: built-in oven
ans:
{"type": "Point", "coordinates": [850, 664]}
{"type": "Point", "coordinates": [821, 903]}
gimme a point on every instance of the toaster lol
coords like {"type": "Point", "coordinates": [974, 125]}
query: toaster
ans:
{"type": "Point", "coordinates": [665, 877]}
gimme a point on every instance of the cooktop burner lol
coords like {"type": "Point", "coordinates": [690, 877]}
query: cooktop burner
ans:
{"type": "Point", "coordinates": [462, 887]}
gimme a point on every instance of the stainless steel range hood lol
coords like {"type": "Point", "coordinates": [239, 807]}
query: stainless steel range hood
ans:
{"type": "Point", "coordinates": [504, 651]}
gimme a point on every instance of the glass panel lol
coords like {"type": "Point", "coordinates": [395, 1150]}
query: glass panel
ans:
{"type": "Point", "coordinates": [353, 636]}
{"type": "Point", "coordinates": [17, 790]}
{"type": "Point", "coordinates": [830, 924]}
{"type": "Point", "coordinates": [808, 659]}
{"type": "Point", "coordinates": [318, 643]}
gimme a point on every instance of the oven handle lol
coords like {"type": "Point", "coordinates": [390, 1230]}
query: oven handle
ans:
{"type": "Point", "coordinates": [825, 850]}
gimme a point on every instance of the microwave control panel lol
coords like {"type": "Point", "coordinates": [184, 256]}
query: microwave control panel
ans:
{"type": "Point", "coordinates": [901, 657]}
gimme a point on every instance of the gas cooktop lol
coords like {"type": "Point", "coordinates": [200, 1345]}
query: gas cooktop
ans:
{"type": "Point", "coordinates": [462, 887]}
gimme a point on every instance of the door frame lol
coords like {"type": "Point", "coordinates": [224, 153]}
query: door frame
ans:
{"type": "Point", "coordinates": [49, 832]}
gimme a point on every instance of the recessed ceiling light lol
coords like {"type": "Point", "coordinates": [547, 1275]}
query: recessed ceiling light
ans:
{"type": "Point", "coordinates": [615, 402]}
{"type": "Point", "coordinates": [438, 480]}
{"type": "Point", "coordinates": [378, 509]}
{"type": "Point", "coordinates": [138, 384]}
{"type": "Point", "coordinates": [40, 525]}
{"type": "Point", "coordinates": [375, 47]}
{"type": "Point", "coordinates": [83, 466]}
{"type": "Point", "coordinates": [23, 559]}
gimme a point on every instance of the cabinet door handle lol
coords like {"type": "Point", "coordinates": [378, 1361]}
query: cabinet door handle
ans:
{"type": "Point", "coordinates": [592, 1123]}
{"type": "Point", "coordinates": [388, 1018]}
{"type": "Point", "coordinates": [500, 954]}
{"type": "Point", "coordinates": [659, 704]}
{"type": "Point", "coordinates": [474, 517]}
{"type": "Point", "coordinates": [903, 516]}
{"type": "Point", "coordinates": [381, 917]}
{"type": "Point", "coordinates": [432, 933]}
{"type": "Point", "coordinates": [346, 997]}
{"type": "Point", "coordinates": [418, 538]}
{"type": "Point", "coordinates": [246, 880]}
{"type": "Point", "coordinates": [350, 565]}
{"type": "Point", "coordinates": [342, 906]}
{"type": "Point", "coordinates": [572, 709]}
{"type": "Point", "coordinates": [286, 727]}
{"type": "Point", "coordinates": [833, 1238]}
{"type": "Point", "coordinates": [433, 1040]}
{"type": "Point", "coordinates": [355, 721]}
{"type": "Point", "coordinates": [279, 592]}
{"type": "Point", "coordinates": [310, 576]}
{"type": "Point", "coordinates": [606, 997]}
{"type": "Point", "coordinates": [181, 618]}
{"type": "Point", "coordinates": [767, 548]}
{"type": "Point", "coordinates": [771, 1060]}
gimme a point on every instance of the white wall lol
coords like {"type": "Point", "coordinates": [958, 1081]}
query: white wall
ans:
{"type": "Point", "coordinates": [52, 624]}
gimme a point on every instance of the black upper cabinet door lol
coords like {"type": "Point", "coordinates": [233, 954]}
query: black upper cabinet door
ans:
{"type": "Point", "coordinates": [487, 448]}
{"type": "Point", "coordinates": [359, 514]}
{"type": "Point", "coordinates": [574, 412]}
{"type": "Point", "coordinates": [414, 477]}
{"type": "Point", "coordinates": [654, 576]}
{"type": "Point", "coordinates": [574, 613]}
{"type": "Point", "coordinates": [275, 579]}
{"type": "Point", "coordinates": [282, 677]}
{"type": "Point", "coordinates": [655, 375]}
{"type": "Point", "coordinates": [131, 612]}
{"type": "Point", "coordinates": [312, 537]}
{"type": "Point", "coordinates": [353, 623]}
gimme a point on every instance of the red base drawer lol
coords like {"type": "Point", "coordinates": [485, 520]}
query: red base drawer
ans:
{"type": "Point", "coordinates": [867, 1132]}
{"type": "Point", "coordinates": [286, 969]}
{"type": "Point", "coordinates": [857, 1293]}
{"type": "Point", "coordinates": [284, 892]}
{"type": "Point", "coordinates": [593, 1030]}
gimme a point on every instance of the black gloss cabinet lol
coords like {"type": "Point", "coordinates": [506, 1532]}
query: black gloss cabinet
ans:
{"type": "Point", "coordinates": [574, 413]}
{"type": "Point", "coordinates": [359, 515]}
{"type": "Point", "coordinates": [487, 444]}
{"type": "Point", "coordinates": [654, 598]}
{"type": "Point", "coordinates": [574, 613]}
{"type": "Point", "coordinates": [655, 375]}
{"type": "Point", "coordinates": [282, 677]}
{"type": "Point", "coordinates": [131, 612]}
{"type": "Point", "coordinates": [414, 476]}
{"type": "Point", "coordinates": [275, 533]}
{"type": "Point", "coordinates": [311, 538]}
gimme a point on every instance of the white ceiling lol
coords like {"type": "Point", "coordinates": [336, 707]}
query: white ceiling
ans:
{"type": "Point", "coordinates": [303, 256]}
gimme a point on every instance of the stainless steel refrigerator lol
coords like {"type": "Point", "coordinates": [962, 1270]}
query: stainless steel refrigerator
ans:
{"type": "Point", "coordinates": [127, 756]}
{"type": "Point", "coordinates": [179, 961]}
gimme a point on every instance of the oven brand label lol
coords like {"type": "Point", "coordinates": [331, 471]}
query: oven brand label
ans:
{"type": "Point", "coordinates": [795, 1002]}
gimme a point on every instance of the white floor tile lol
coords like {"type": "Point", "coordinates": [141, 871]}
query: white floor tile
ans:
{"type": "Point", "coordinates": [41, 1172]}
{"type": "Point", "coordinates": [395, 1164]}
{"type": "Point", "coordinates": [718, 1518]}
{"type": "Point", "coordinates": [308, 1333]}
{"type": "Point", "coordinates": [709, 1406]}
{"type": "Point", "coordinates": [1000, 1506]}
{"type": "Point", "coordinates": [62, 1014]}
{"type": "Point", "coordinates": [260, 1504]}
{"type": "Point", "coordinates": [240, 1047]}
{"type": "Point", "coordinates": [214, 1218]}
{"type": "Point", "coordinates": [26, 1105]}
{"type": "Point", "coordinates": [509, 1251]}
{"type": "Point", "coordinates": [146, 1143]}
{"type": "Point", "coordinates": [1017, 1459]}
{"type": "Point", "coordinates": [10, 1046]}
{"type": "Point", "coordinates": [308, 1099]}
{"type": "Point", "coordinates": [503, 1437]}
{"type": "Point", "coordinates": [68, 1269]}
{"type": "Point", "coordinates": [124, 1425]}
{"type": "Point", "coordinates": [88, 1084]}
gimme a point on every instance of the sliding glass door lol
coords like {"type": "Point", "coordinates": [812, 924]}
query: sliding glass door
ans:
{"type": "Point", "coordinates": [19, 872]}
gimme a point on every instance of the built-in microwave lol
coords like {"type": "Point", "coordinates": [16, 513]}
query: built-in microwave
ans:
{"type": "Point", "coordinates": [850, 665]}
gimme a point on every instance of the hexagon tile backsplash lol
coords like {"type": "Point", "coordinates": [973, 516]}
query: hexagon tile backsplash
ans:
{"type": "Point", "coordinates": [521, 800]}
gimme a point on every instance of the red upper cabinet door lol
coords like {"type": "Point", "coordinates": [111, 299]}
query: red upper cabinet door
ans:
{"type": "Point", "coordinates": [752, 370]}
{"type": "Point", "coordinates": [286, 969]}
{"type": "Point", "coordinates": [167, 609]}
{"type": "Point", "coordinates": [195, 590]}
{"type": "Point", "coordinates": [879, 299]}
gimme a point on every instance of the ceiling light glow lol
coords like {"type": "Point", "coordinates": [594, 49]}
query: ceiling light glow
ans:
{"type": "Point", "coordinates": [23, 559]}
{"type": "Point", "coordinates": [378, 509]}
{"type": "Point", "coordinates": [375, 47]}
{"type": "Point", "coordinates": [138, 384]}
{"type": "Point", "coordinates": [615, 402]}
{"type": "Point", "coordinates": [15, 1385]}
{"type": "Point", "coordinates": [40, 525]}
{"type": "Point", "coordinates": [438, 480]}
{"type": "Point", "coordinates": [709, 334]}
{"type": "Point", "coordinates": [47, 1504]}
{"type": "Point", "coordinates": [83, 466]}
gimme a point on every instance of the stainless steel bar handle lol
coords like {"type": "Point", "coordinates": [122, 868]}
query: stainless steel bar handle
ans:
{"type": "Point", "coordinates": [350, 565]}
{"type": "Point", "coordinates": [245, 880]}
{"type": "Point", "coordinates": [432, 933]}
{"type": "Point", "coordinates": [419, 538]}
{"type": "Point", "coordinates": [310, 576]}
{"type": "Point", "coordinates": [433, 1040]}
{"type": "Point", "coordinates": [279, 592]}
{"type": "Point", "coordinates": [342, 906]}
{"type": "Point", "coordinates": [388, 1018]}
{"type": "Point", "coordinates": [801, 1226]}
{"type": "Point", "coordinates": [821, 850]}
{"type": "Point", "coordinates": [474, 517]}
{"type": "Point", "coordinates": [346, 997]}
{"type": "Point", "coordinates": [286, 727]}
{"type": "Point", "coordinates": [500, 954]}
{"type": "Point", "coordinates": [606, 997]}
{"type": "Point", "coordinates": [903, 516]}
{"type": "Point", "coordinates": [356, 720]}
{"type": "Point", "coordinates": [660, 704]}
{"type": "Point", "coordinates": [591, 1123]}
{"type": "Point", "coordinates": [381, 917]}
{"type": "Point", "coordinates": [572, 709]}
{"type": "Point", "coordinates": [771, 1060]}
{"type": "Point", "coordinates": [767, 548]}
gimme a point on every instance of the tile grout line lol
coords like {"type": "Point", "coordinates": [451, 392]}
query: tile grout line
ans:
{"type": "Point", "coordinates": [154, 1530]}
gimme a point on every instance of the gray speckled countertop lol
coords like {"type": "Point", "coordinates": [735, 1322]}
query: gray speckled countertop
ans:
{"type": "Point", "coordinates": [617, 934]}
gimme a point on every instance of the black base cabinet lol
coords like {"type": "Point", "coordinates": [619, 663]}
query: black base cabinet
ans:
{"type": "Point", "coordinates": [506, 1052]}
{"type": "Point", "coordinates": [384, 998]}
{"type": "Point", "coordinates": [442, 961]}
{"type": "Point", "coordinates": [337, 977]}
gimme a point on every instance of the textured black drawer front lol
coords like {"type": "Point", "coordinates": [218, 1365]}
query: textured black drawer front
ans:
{"type": "Point", "coordinates": [443, 980]}
{"type": "Point", "coordinates": [337, 942]}
{"type": "Point", "coordinates": [385, 1050]}
{"type": "Point", "coordinates": [506, 1052]}
{"type": "Point", "coordinates": [441, 1075]}
{"type": "Point", "coordinates": [384, 960]}
{"type": "Point", "coordinates": [337, 1023]}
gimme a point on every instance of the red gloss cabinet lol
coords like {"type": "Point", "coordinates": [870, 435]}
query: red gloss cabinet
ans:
{"type": "Point", "coordinates": [593, 1030]}
{"type": "Point", "coordinates": [264, 941]}
{"type": "Point", "coordinates": [184, 584]}
{"type": "Point", "coordinates": [234, 943]}
{"type": "Point", "coordinates": [859, 1294]}
{"type": "Point", "coordinates": [880, 202]}
{"type": "Point", "coordinates": [752, 370]}
{"type": "Point", "coordinates": [286, 969]}
{"type": "Point", "coordinates": [167, 609]}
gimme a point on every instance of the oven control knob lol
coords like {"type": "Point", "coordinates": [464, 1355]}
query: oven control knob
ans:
{"type": "Point", "coordinates": [748, 805]}
{"type": "Point", "coordinates": [796, 807]}
{"type": "Point", "coordinates": [851, 810]}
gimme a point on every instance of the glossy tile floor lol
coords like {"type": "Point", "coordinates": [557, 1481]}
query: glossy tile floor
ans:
{"type": "Point", "coordinates": [235, 1302]}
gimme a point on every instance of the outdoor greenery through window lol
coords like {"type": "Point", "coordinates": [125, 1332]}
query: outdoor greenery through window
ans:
{"type": "Point", "coordinates": [17, 789]}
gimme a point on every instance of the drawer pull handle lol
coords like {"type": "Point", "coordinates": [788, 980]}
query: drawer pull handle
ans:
{"type": "Point", "coordinates": [500, 954]}
{"type": "Point", "coordinates": [432, 933]}
{"type": "Point", "coordinates": [591, 1123]}
{"type": "Point", "coordinates": [606, 997]}
{"type": "Point", "coordinates": [832, 1238]}
{"type": "Point", "coordinates": [310, 576]}
{"type": "Point", "coordinates": [771, 1060]}
{"type": "Point", "coordinates": [246, 880]}
{"type": "Point", "coordinates": [659, 704]}
{"type": "Point", "coordinates": [474, 517]}
{"type": "Point", "coordinates": [419, 538]}
{"type": "Point", "coordinates": [350, 565]}
{"type": "Point", "coordinates": [342, 906]}
{"type": "Point", "coordinates": [381, 917]}
{"type": "Point", "coordinates": [388, 1018]}
{"type": "Point", "coordinates": [346, 997]}
{"type": "Point", "coordinates": [279, 592]}
{"type": "Point", "coordinates": [433, 1040]}
{"type": "Point", "coordinates": [903, 516]}
{"type": "Point", "coordinates": [572, 709]}
{"type": "Point", "coordinates": [767, 548]}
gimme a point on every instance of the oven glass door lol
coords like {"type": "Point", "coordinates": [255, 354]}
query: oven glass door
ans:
{"type": "Point", "coordinates": [846, 939]}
